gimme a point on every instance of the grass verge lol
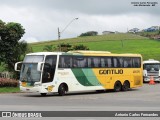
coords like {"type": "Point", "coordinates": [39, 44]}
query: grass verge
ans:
{"type": "Point", "coordinates": [9, 89]}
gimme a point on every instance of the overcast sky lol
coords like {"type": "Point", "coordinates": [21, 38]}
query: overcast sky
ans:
{"type": "Point", "coordinates": [41, 18]}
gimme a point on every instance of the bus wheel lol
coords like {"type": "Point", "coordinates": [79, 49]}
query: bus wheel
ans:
{"type": "Point", "coordinates": [125, 86]}
{"type": "Point", "coordinates": [62, 90]}
{"type": "Point", "coordinates": [117, 86]}
{"type": "Point", "coordinates": [43, 94]}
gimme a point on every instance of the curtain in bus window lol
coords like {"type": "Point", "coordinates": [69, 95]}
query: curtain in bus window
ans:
{"type": "Point", "coordinates": [115, 62]}
{"type": "Point", "coordinates": [120, 62]}
{"type": "Point", "coordinates": [79, 61]}
{"type": "Point", "coordinates": [136, 62]}
{"type": "Point", "coordinates": [127, 62]}
{"type": "Point", "coordinates": [65, 62]}
{"type": "Point", "coordinates": [103, 63]}
{"type": "Point", "coordinates": [90, 62]}
{"type": "Point", "coordinates": [109, 62]}
{"type": "Point", "coordinates": [96, 62]}
{"type": "Point", "coordinates": [68, 61]}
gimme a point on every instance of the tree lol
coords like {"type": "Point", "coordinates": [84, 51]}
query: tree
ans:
{"type": "Point", "coordinates": [10, 47]}
{"type": "Point", "coordinates": [19, 52]}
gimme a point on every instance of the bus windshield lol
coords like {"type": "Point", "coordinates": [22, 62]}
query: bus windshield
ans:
{"type": "Point", "coordinates": [152, 66]}
{"type": "Point", "coordinates": [29, 71]}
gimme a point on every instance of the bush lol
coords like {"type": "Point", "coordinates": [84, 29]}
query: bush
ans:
{"type": "Point", "coordinates": [80, 47]}
{"type": "Point", "coordinates": [64, 47]}
{"type": "Point", "coordinates": [6, 82]}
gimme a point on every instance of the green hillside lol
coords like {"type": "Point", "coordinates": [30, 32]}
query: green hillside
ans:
{"type": "Point", "coordinates": [115, 43]}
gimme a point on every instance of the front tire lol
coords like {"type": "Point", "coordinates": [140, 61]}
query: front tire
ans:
{"type": "Point", "coordinates": [62, 90]}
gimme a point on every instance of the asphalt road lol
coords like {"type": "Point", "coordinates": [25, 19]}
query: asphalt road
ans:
{"type": "Point", "coordinates": [146, 98]}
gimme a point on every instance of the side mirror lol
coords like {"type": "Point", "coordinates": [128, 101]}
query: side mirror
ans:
{"type": "Point", "coordinates": [17, 66]}
{"type": "Point", "coordinates": [39, 66]}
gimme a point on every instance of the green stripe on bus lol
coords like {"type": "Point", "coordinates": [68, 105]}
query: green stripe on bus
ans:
{"type": "Point", "coordinates": [91, 77]}
{"type": "Point", "coordinates": [81, 77]}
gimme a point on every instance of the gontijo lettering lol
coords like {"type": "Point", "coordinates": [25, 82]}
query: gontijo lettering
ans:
{"type": "Point", "coordinates": [111, 71]}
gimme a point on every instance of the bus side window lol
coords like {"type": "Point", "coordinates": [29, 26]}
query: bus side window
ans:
{"type": "Point", "coordinates": [75, 64]}
{"type": "Point", "coordinates": [136, 62]}
{"type": "Point", "coordinates": [120, 62]}
{"type": "Point", "coordinates": [90, 62]}
{"type": "Point", "coordinates": [80, 62]}
{"type": "Point", "coordinates": [65, 62]}
{"type": "Point", "coordinates": [115, 62]}
{"type": "Point", "coordinates": [103, 63]}
{"type": "Point", "coordinates": [68, 61]}
{"type": "Point", "coordinates": [109, 62]}
{"type": "Point", "coordinates": [96, 62]}
{"type": "Point", "coordinates": [127, 62]}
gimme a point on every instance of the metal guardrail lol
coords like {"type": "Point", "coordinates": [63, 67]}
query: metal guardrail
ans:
{"type": "Point", "coordinates": [6, 75]}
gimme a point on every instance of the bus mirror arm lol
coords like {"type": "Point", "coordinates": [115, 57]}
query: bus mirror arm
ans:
{"type": "Point", "coordinates": [39, 66]}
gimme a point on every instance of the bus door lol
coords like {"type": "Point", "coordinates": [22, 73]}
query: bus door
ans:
{"type": "Point", "coordinates": [49, 68]}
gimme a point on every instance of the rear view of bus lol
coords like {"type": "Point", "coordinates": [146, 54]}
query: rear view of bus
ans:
{"type": "Point", "coordinates": [151, 68]}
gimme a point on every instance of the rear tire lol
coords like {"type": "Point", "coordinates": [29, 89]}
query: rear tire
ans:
{"type": "Point", "coordinates": [125, 86]}
{"type": "Point", "coordinates": [117, 86]}
{"type": "Point", "coordinates": [62, 90]}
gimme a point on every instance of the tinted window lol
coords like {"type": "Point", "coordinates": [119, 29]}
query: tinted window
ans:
{"type": "Point", "coordinates": [98, 62]}
{"type": "Point", "coordinates": [79, 62]}
{"type": "Point", "coordinates": [136, 62]}
{"type": "Point", "coordinates": [103, 62]}
{"type": "Point", "coordinates": [127, 62]}
{"type": "Point", "coordinates": [65, 62]}
{"type": "Point", "coordinates": [94, 62]}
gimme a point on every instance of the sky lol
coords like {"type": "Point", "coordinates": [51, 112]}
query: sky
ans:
{"type": "Point", "coordinates": [42, 18]}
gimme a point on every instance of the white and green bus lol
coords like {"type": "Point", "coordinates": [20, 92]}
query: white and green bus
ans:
{"type": "Point", "coordinates": [60, 72]}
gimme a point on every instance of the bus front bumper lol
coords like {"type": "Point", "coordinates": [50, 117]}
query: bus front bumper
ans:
{"type": "Point", "coordinates": [30, 89]}
{"type": "Point", "coordinates": [38, 89]}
